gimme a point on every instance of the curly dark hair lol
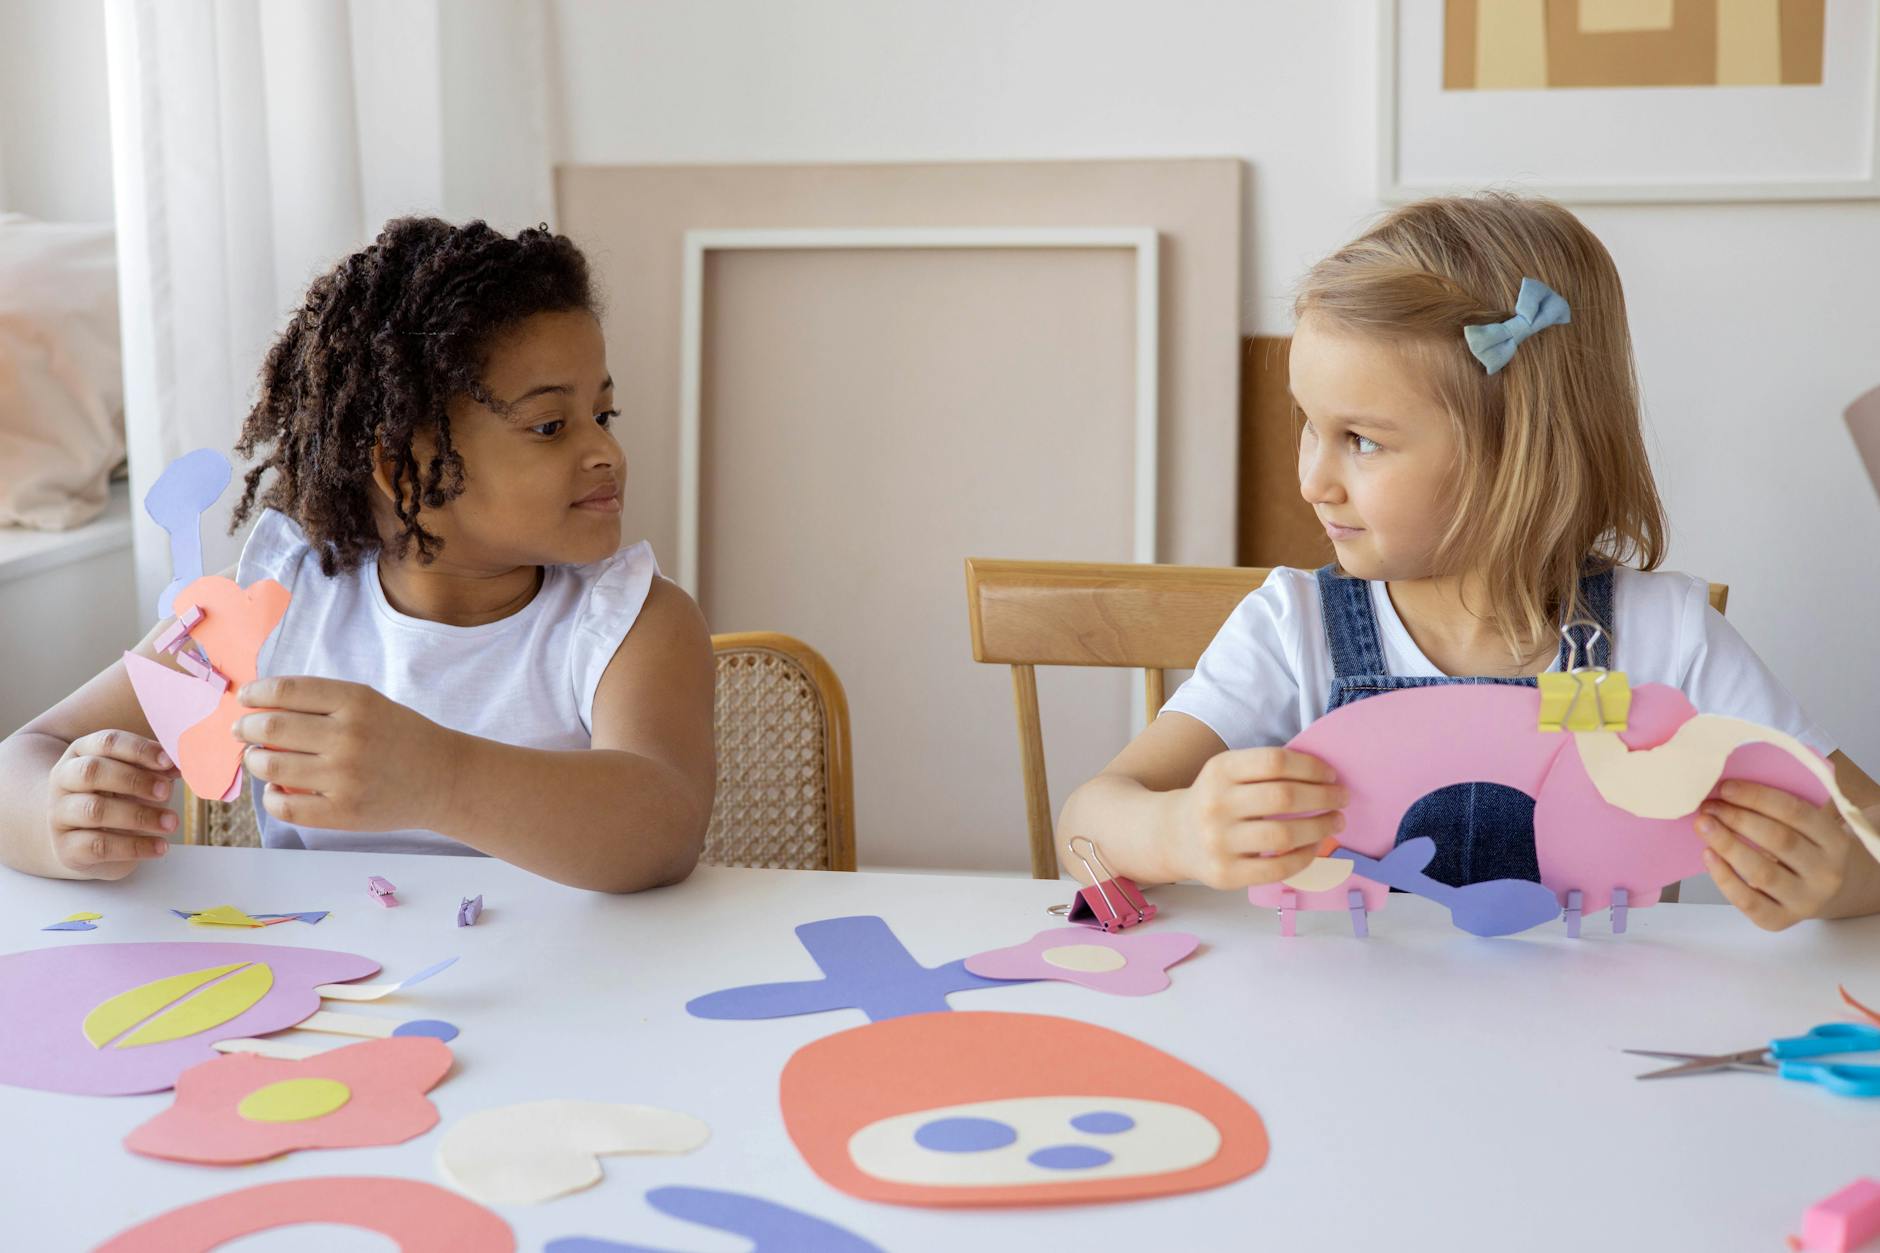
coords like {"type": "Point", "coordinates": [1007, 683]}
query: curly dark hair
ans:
{"type": "Point", "coordinates": [380, 346]}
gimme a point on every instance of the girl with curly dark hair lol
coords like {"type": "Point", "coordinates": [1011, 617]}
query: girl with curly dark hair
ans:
{"type": "Point", "coordinates": [471, 661]}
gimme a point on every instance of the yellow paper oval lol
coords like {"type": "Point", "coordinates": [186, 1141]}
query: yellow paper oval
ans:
{"type": "Point", "coordinates": [294, 1100]}
{"type": "Point", "coordinates": [211, 1007]}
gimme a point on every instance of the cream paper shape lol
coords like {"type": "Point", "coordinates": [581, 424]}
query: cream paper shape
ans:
{"type": "Point", "coordinates": [533, 1152]}
{"type": "Point", "coordinates": [1673, 779]}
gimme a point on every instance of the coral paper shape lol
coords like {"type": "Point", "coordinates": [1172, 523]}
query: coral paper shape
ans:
{"type": "Point", "coordinates": [771, 1228]}
{"type": "Point", "coordinates": [524, 1154]}
{"type": "Point", "coordinates": [108, 1019]}
{"type": "Point", "coordinates": [990, 1109]}
{"type": "Point", "coordinates": [864, 967]}
{"type": "Point", "coordinates": [1127, 963]}
{"type": "Point", "coordinates": [236, 622]}
{"type": "Point", "coordinates": [416, 1217]}
{"type": "Point", "coordinates": [245, 1108]}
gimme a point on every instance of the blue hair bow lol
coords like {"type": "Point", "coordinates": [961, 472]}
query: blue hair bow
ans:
{"type": "Point", "coordinates": [1535, 309]}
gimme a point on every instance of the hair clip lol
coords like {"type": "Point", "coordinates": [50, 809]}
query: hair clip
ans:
{"type": "Point", "coordinates": [1535, 309]}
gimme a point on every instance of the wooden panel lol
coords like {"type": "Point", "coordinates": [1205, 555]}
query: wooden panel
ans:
{"type": "Point", "coordinates": [1276, 526]}
{"type": "Point", "coordinates": [1049, 613]}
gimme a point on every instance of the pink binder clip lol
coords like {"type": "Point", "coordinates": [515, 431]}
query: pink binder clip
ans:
{"type": "Point", "coordinates": [1111, 902]}
{"type": "Point", "coordinates": [382, 889]}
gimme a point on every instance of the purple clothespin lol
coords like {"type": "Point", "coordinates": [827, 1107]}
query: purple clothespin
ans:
{"type": "Point", "coordinates": [382, 889]}
{"type": "Point", "coordinates": [1573, 913]}
{"type": "Point", "coordinates": [1111, 902]}
{"type": "Point", "coordinates": [470, 911]}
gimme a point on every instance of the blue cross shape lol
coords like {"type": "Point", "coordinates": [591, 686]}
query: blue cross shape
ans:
{"type": "Point", "coordinates": [770, 1227]}
{"type": "Point", "coordinates": [864, 967]}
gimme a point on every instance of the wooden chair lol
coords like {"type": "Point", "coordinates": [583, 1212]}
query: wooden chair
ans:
{"type": "Point", "coordinates": [786, 791]}
{"type": "Point", "coordinates": [1026, 614]}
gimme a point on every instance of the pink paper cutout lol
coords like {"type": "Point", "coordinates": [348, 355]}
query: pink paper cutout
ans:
{"type": "Point", "coordinates": [172, 701]}
{"type": "Point", "coordinates": [46, 993]}
{"type": "Point", "coordinates": [418, 1217]}
{"type": "Point", "coordinates": [387, 1080]}
{"type": "Point", "coordinates": [1147, 955]}
{"type": "Point", "coordinates": [1391, 750]}
{"type": "Point", "coordinates": [236, 623]}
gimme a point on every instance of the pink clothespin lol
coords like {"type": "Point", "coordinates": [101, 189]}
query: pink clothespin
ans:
{"type": "Point", "coordinates": [1843, 1222]}
{"type": "Point", "coordinates": [382, 889]}
{"type": "Point", "coordinates": [1111, 902]}
{"type": "Point", "coordinates": [177, 633]}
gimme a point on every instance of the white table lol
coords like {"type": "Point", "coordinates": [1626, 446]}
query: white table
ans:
{"type": "Point", "coordinates": [1423, 1089]}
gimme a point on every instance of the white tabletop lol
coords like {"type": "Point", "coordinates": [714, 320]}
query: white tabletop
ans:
{"type": "Point", "coordinates": [1423, 1089]}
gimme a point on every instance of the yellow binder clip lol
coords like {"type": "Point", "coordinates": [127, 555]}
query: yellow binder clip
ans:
{"type": "Point", "coordinates": [1584, 697]}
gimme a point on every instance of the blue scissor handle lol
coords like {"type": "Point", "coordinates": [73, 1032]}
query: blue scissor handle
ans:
{"type": "Point", "coordinates": [1837, 1077]}
{"type": "Point", "coordinates": [1828, 1039]}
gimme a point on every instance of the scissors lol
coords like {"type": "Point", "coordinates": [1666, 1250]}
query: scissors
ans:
{"type": "Point", "coordinates": [1786, 1057]}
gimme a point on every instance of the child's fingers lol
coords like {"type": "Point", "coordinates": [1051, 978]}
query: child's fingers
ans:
{"type": "Point", "coordinates": [1284, 796]}
{"type": "Point", "coordinates": [299, 693]}
{"type": "Point", "coordinates": [278, 728]}
{"type": "Point", "coordinates": [1265, 838]}
{"type": "Point", "coordinates": [1785, 808]}
{"type": "Point", "coordinates": [303, 772]}
{"type": "Point", "coordinates": [1792, 848]}
{"type": "Point", "coordinates": [123, 746]}
{"type": "Point", "coordinates": [107, 774]}
{"type": "Point", "coordinates": [1758, 907]}
{"type": "Point", "coordinates": [92, 850]}
{"type": "Point", "coordinates": [1753, 866]}
{"type": "Point", "coordinates": [96, 811]}
{"type": "Point", "coordinates": [1246, 872]}
{"type": "Point", "coordinates": [301, 808]}
{"type": "Point", "coordinates": [1257, 765]}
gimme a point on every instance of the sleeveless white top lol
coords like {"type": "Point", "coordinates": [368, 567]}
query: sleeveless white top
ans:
{"type": "Point", "coordinates": [526, 680]}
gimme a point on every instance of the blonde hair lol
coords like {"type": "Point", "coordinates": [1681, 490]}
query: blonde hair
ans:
{"type": "Point", "coordinates": [1551, 478]}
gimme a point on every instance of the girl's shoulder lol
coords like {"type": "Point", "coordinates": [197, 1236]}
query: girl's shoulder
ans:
{"type": "Point", "coordinates": [276, 548]}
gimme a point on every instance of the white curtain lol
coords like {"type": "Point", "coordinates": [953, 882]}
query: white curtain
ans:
{"type": "Point", "coordinates": [255, 142]}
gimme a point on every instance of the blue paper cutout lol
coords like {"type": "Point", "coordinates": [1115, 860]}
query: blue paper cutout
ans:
{"type": "Point", "coordinates": [1069, 1157]}
{"type": "Point", "coordinates": [770, 1227]}
{"type": "Point", "coordinates": [1103, 1123]}
{"type": "Point", "coordinates": [435, 1028]}
{"type": "Point", "coordinates": [1492, 907]}
{"type": "Point", "coordinates": [176, 502]}
{"type": "Point", "coordinates": [865, 968]}
{"type": "Point", "coordinates": [75, 925]}
{"type": "Point", "coordinates": [964, 1135]}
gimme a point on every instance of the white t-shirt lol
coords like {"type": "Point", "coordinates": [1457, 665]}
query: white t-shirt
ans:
{"type": "Point", "coordinates": [1268, 672]}
{"type": "Point", "coordinates": [527, 679]}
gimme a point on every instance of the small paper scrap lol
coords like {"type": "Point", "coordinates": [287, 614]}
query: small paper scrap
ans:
{"type": "Point", "coordinates": [526, 1154]}
{"type": "Point", "coordinates": [76, 922]}
{"type": "Point", "coordinates": [470, 911]}
{"type": "Point", "coordinates": [229, 916]}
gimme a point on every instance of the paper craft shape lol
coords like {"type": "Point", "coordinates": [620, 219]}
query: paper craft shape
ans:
{"type": "Point", "coordinates": [192, 714]}
{"type": "Point", "coordinates": [533, 1152]}
{"type": "Point", "coordinates": [374, 991]}
{"type": "Point", "coordinates": [989, 1109]}
{"type": "Point", "coordinates": [770, 1227]}
{"type": "Point", "coordinates": [176, 502]}
{"type": "Point", "coordinates": [235, 917]}
{"type": "Point", "coordinates": [1392, 750]}
{"type": "Point", "coordinates": [417, 1217]}
{"type": "Point", "coordinates": [864, 967]}
{"type": "Point", "coordinates": [1494, 907]}
{"type": "Point", "coordinates": [1131, 963]}
{"type": "Point", "coordinates": [244, 1108]}
{"type": "Point", "coordinates": [75, 922]}
{"type": "Point", "coordinates": [116, 1019]}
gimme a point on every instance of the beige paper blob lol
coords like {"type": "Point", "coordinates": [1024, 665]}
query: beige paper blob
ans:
{"type": "Point", "coordinates": [539, 1150]}
{"type": "Point", "coordinates": [1673, 779]}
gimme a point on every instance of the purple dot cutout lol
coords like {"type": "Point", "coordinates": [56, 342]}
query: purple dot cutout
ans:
{"type": "Point", "coordinates": [426, 1026]}
{"type": "Point", "coordinates": [1069, 1157]}
{"type": "Point", "coordinates": [1103, 1123]}
{"type": "Point", "coordinates": [964, 1135]}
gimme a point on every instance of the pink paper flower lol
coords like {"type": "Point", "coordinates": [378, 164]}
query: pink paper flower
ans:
{"type": "Point", "coordinates": [242, 1107]}
{"type": "Point", "coordinates": [1127, 963]}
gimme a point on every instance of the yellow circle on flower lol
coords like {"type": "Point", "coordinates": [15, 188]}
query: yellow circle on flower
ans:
{"type": "Point", "coordinates": [1091, 958]}
{"type": "Point", "coordinates": [294, 1100]}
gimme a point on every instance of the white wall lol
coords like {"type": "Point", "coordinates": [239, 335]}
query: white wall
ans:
{"type": "Point", "coordinates": [1754, 323]}
{"type": "Point", "coordinates": [55, 132]}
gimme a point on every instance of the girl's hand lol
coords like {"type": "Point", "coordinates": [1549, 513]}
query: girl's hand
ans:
{"type": "Point", "coordinates": [107, 804]}
{"type": "Point", "coordinates": [1232, 828]}
{"type": "Point", "coordinates": [1773, 855]}
{"type": "Point", "coordinates": [341, 756]}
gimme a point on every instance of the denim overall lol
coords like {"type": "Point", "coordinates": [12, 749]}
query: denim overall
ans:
{"type": "Point", "coordinates": [1482, 830]}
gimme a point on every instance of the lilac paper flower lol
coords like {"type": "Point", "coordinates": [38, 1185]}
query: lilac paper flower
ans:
{"type": "Point", "coordinates": [1127, 963]}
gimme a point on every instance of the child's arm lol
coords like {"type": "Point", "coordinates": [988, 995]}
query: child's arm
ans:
{"type": "Point", "coordinates": [1779, 859]}
{"type": "Point", "coordinates": [1177, 804]}
{"type": "Point", "coordinates": [626, 814]}
{"type": "Point", "coordinates": [84, 787]}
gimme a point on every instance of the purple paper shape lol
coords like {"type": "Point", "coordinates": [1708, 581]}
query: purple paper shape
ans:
{"type": "Point", "coordinates": [435, 1028]}
{"type": "Point", "coordinates": [1146, 955]}
{"type": "Point", "coordinates": [1493, 907]}
{"type": "Point", "coordinates": [74, 925]}
{"type": "Point", "coordinates": [176, 502]}
{"type": "Point", "coordinates": [864, 967]}
{"type": "Point", "coordinates": [771, 1228]}
{"type": "Point", "coordinates": [46, 993]}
